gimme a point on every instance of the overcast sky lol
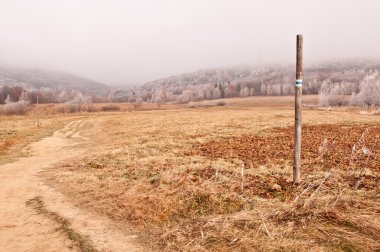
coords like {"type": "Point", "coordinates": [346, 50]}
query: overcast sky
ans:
{"type": "Point", "coordinates": [125, 42]}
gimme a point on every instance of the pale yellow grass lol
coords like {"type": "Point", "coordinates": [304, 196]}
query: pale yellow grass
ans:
{"type": "Point", "coordinates": [16, 132]}
{"type": "Point", "coordinates": [141, 170]}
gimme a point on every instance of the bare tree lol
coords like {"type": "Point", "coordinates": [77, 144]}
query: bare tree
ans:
{"type": "Point", "coordinates": [369, 94]}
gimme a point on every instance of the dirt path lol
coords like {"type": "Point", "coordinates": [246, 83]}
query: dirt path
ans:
{"type": "Point", "coordinates": [23, 229]}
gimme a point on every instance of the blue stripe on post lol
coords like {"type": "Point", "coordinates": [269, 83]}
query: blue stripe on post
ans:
{"type": "Point", "coordinates": [298, 83]}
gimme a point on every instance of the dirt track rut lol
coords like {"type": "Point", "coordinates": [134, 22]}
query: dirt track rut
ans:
{"type": "Point", "coordinates": [23, 229]}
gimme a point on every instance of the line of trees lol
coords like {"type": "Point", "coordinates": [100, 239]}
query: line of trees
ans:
{"type": "Point", "coordinates": [337, 83]}
{"type": "Point", "coordinates": [364, 93]}
{"type": "Point", "coordinates": [10, 94]}
{"type": "Point", "coordinates": [15, 100]}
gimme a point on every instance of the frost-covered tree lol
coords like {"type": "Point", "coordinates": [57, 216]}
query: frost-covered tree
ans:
{"type": "Point", "coordinates": [8, 100]}
{"type": "Point", "coordinates": [332, 94]}
{"type": "Point", "coordinates": [216, 94]}
{"type": "Point", "coordinates": [24, 96]}
{"type": "Point", "coordinates": [369, 94]}
{"type": "Point", "coordinates": [244, 92]}
{"type": "Point", "coordinates": [185, 97]}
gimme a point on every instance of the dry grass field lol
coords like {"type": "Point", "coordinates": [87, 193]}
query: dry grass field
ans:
{"type": "Point", "coordinates": [205, 177]}
{"type": "Point", "coordinates": [16, 132]}
{"type": "Point", "coordinates": [219, 178]}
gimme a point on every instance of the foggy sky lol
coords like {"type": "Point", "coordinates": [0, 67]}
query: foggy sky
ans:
{"type": "Point", "coordinates": [133, 41]}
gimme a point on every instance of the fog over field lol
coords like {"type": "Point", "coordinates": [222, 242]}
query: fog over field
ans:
{"type": "Point", "coordinates": [189, 125]}
{"type": "Point", "coordinates": [125, 43]}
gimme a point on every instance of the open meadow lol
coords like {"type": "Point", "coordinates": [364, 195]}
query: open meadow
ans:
{"type": "Point", "coordinates": [219, 178]}
{"type": "Point", "coordinates": [191, 126]}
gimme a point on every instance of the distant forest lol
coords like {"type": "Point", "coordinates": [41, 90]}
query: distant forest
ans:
{"type": "Point", "coordinates": [50, 87]}
{"type": "Point", "coordinates": [334, 81]}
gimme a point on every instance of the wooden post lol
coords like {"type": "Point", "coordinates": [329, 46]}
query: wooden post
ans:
{"type": "Point", "coordinates": [37, 118]}
{"type": "Point", "coordinates": [298, 117]}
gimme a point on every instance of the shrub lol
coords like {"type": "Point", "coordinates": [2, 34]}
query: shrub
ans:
{"type": "Point", "coordinates": [110, 107]}
{"type": "Point", "coordinates": [15, 108]}
{"type": "Point", "coordinates": [137, 105]}
{"type": "Point", "coordinates": [91, 108]}
{"type": "Point", "coordinates": [190, 105]}
{"type": "Point", "coordinates": [73, 108]}
{"type": "Point", "coordinates": [221, 103]}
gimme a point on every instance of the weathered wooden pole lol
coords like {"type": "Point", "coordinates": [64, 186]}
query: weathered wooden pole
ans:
{"type": "Point", "coordinates": [37, 117]}
{"type": "Point", "coordinates": [298, 116]}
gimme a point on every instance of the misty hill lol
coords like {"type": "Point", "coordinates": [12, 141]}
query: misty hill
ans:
{"type": "Point", "coordinates": [251, 81]}
{"type": "Point", "coordinates": [57, 81]}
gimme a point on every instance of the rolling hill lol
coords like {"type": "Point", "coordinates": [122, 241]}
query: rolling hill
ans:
{"type": "Point", "coordinates": [58, 81]}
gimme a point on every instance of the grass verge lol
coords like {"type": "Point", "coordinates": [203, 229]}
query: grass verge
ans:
{"type": "Point", "coordinates": [83, 243]}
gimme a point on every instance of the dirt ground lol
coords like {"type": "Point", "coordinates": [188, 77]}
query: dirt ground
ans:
{"type": "Point", "coordinates": [22, 228]}
{"type": "Point", "coordinates": [198, 178]}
